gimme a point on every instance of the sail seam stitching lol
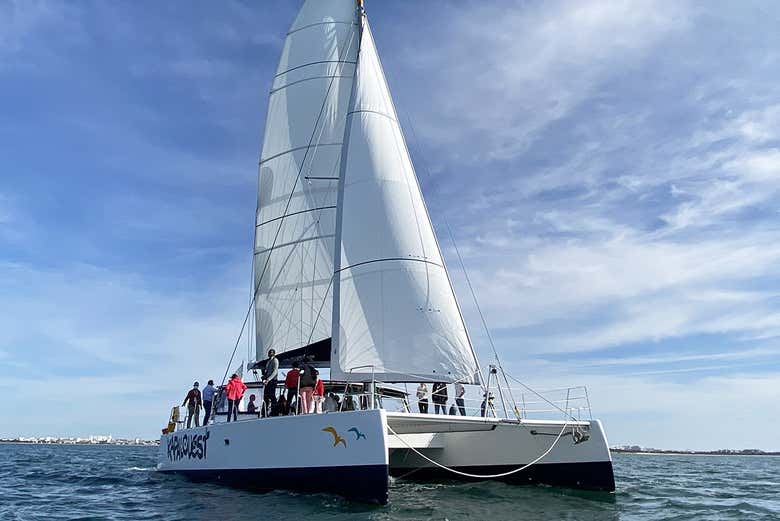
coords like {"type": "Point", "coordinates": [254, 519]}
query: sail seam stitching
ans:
{"type": "Point", "coordinates": [314, 63]}
{"type": "Point", "coordinates": [294, 213]}
{"type": "Point", "coordinates": [293, 243]}
{"type": "Point", "coordinates": [274, 91]}
{"type": "Point", "coordinates": [319, 23]}
{"type": "Point", "coordinates": [304, 147]}
{"type": "Point", "coordinates": [425, 261]}
{"type": "Point", "coordinates": [388, 116]}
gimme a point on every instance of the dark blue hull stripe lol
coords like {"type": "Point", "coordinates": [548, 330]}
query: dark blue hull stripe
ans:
{"type": "Point", "coordinates": [359, 482]}
{"type": "Point", "coordinates": [597, 475]}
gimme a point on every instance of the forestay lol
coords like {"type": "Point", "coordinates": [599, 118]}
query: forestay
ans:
{"type": "Point", "coordinates": [296, 207]}
{"type": "Point", "coordinates": [395, 317]}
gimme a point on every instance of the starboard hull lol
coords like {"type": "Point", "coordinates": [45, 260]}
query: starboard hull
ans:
{"type": "Point", "coordinates": [343, 454]}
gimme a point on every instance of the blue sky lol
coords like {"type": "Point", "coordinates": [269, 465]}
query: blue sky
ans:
{"type": "Point", "coordinates": [611, 172]}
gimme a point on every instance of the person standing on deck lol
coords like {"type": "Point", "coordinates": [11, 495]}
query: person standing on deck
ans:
{"type": "Point", "coordinates": [235, 391]}
{"type": "Point", "coordinates": [208, 400]}
{"type": "Point", "coordinates": [307, 387]}
{"type": "Point", "coordinates": [318, 395]}
{"type": "Point", "coordinates": [422, 398]}
{"type": "Point", "coordinates": [193, 402]}
{"type": "Point", "coordinates": [439, 397]}
{"type": "Point", "coordinates": [291, 383]}
{"type": "Point", "coordinates": [460, 392]}
{"type": "Point", "coordinates": [270, 379]}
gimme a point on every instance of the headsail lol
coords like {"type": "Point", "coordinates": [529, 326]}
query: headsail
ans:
{"type": "Point", "coordinates": [296, 207]}
{"type": "Point", "coordinates": [394, 312]}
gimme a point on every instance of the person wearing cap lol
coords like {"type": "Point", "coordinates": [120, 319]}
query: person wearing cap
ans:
{"type": "Point", "coordinates": [193, 401]}
{"type": "Point", "coordinates": [270, 379]}
{"type": "Point", "coordinates": [208, 400]}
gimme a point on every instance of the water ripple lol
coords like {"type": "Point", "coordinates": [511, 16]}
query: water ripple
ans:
{"type": "Point", "coordinates": [120, 483]}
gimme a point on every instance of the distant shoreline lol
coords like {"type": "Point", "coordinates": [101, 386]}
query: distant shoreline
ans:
{"type": "Point", "coordinates": [117, 443]}
{"type": "Point", "coordinates": [658, 452]}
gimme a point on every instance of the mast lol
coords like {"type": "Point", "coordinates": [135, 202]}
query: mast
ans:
{"type": "Point", "coordinates": [360, 15]}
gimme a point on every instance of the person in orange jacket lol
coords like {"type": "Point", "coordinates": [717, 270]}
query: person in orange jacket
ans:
{"type": "Point", "coordinates": [235, 391]}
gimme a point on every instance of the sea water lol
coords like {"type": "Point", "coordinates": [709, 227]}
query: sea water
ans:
{"type": "Point", "coordinates": [58, 482]}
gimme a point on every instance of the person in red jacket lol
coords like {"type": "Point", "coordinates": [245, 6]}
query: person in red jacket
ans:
{"type": "Point", "coordinates": [235, 391]}
{"type": "Point", "coordinates": [291, 384]}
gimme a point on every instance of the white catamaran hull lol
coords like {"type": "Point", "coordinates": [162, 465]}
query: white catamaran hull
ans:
{"type": "Point", "coordinates": [353, 453]}
{"type": "Point", "coordinates": [579, 459]}
{"type": "Point", "coordinates": [343, 453]}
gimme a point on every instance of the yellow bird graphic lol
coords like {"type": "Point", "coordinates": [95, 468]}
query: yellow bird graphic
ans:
{"type": "Point", "coordinates": [336, 438]}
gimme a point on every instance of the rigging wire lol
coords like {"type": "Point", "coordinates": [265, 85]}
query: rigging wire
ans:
{"type": "Point", "coordinates": [468, 280]}
{"type": "Point", "coordinates": [284, 214]}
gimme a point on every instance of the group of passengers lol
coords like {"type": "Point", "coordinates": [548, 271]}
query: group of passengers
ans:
{"type": "Point", "coordinates": [438, 395]}
{"type": "Point", "coordinates": [305, 394]}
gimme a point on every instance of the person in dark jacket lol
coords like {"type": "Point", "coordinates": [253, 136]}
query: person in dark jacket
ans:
{"type": "Point", "coordinates": [193, 401]}
{"type": "Point", "coordinates": [270, 378]}
{"type": "Point", "coordinates": [307, 389]}
{"type": "Point", "coordinates": [439, 397]}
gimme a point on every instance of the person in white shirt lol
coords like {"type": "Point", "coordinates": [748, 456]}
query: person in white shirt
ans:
{"type": "Point", "coordinates": [460, 392]}
{"type": "Point", "coordinates": [422, 397]}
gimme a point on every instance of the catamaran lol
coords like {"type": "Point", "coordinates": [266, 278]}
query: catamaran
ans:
{"type": "Point", "coordinates": [349, 277]}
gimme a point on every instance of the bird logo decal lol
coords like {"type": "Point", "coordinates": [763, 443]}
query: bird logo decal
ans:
{"type": "Point", "coordinates": [358, 434]}
{"type": "Point", "coordinates": [336, 438]}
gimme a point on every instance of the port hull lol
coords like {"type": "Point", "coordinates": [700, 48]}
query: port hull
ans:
{"type": "Point", "coordinates": [567, 454]}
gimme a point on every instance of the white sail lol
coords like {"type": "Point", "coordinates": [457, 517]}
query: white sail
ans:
{"type": "Point", "coordinates": [395, 316]}
{"type": "Point", "coordinates": [296, 207]}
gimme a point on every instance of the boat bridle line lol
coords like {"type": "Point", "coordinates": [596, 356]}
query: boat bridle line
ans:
{"type": "Point", "coordinates": [284, 214]}
{"type": "Point", "coordinates": [482, 476]}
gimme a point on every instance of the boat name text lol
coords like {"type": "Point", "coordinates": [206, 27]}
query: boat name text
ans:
{"type": "Point", "coordinates": [189, 446]}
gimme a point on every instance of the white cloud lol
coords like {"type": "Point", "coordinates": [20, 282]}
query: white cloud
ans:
{"type": "Point", "coordinates": [514, 68]}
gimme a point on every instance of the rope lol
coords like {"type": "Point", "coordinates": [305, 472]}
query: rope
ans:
{"type": "Point", "coordinates": [481, 476]}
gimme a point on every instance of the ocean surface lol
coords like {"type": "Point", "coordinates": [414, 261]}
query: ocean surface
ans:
{"type": "Point", "coordinates": [56, 482]}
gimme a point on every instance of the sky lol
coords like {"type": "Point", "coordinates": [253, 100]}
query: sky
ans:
{"type": "Point", "coordinates": [610, 172]}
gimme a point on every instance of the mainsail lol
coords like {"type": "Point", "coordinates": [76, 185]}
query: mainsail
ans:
{"type": "Point", "coordinates": [344, 246]}
{"type": "Point", "coordinates": [299, 165]}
